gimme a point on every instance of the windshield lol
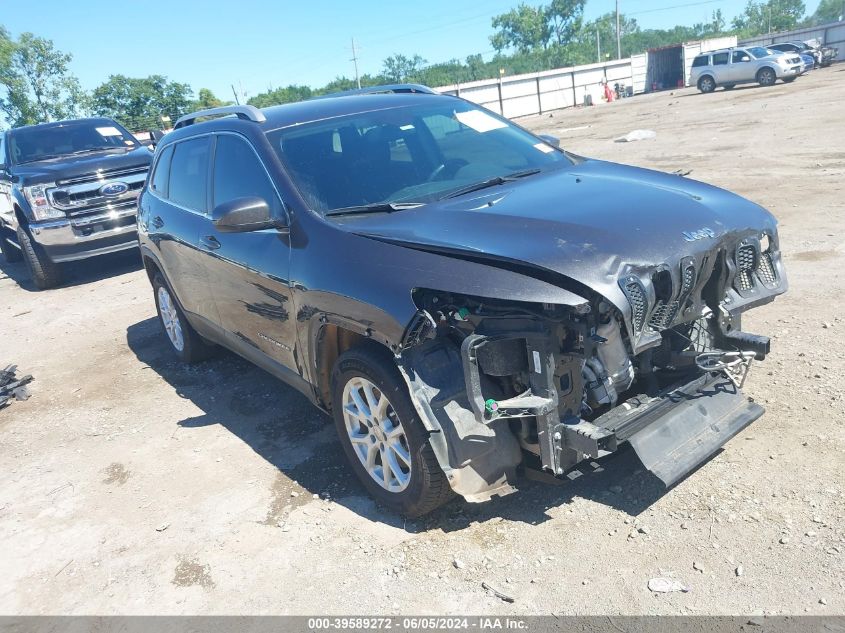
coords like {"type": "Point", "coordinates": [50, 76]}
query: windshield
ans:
{"type": "Point", "coordinates": [759, 51]}
{"type": "Point", "coordinates": [28, 144]}
{"type": "Point", "coordinates": [417, 153]}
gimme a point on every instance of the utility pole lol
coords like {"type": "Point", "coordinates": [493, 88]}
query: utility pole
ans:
{"type": "Point", "coordinates": [618, 34]}
{"type": "Point", "coordinates": [354, 60]}
{"type": "Point", "coordinates": [598, 47]}
{"type": "Point", "coordinates": [235, 92]}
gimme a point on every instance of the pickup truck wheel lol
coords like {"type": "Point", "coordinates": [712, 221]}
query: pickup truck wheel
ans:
{"type": "Point", "coordinates": [766, 77]}
{"type": "Point", "coordinates": [382, 435]}
{"type": "Point", "coordinates": [44, 272]}
{"type": "Point", "coordinates": [184, 340]}
{"type": "Point", "coordinates": [11, 254]}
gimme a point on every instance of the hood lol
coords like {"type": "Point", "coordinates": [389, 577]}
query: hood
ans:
{"type": "Point", "coordinates": [584, 226]}
{"type": "Point", "coordinates": [70, 167]}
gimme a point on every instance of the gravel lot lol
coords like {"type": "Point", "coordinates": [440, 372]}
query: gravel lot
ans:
{"type": "Point", "coordinates": [135, 485]}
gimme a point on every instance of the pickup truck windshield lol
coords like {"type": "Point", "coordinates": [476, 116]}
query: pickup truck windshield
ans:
{"type": "Point", "coordinates": [41, 142]}
{"type": "Point", "coordinates": [411, 153]}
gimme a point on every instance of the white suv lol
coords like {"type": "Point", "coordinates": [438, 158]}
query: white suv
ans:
{"type": "Point", "coordinates": [731, 66]}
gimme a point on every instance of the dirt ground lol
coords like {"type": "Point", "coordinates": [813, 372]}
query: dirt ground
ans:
{"type": "Point", "coordinates": [134, 485]}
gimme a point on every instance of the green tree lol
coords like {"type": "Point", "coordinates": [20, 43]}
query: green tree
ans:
{"type": "Point", "coordinates": [524, 29]}
{"type": "Point", "coordinates": [141, 102]}
{"type": "Point", "coordinates": [564, 18]}
{"type": "Point", "coordinates": [278, 96]}
{"type": "Point", "coordinates": [399, 69]}
{"type": "Point", "coordinates": [829, 11]}
{"type": "Point", "coordinates": [769, 17]}
{"type": "Point", "coordinates": [38, 84]}
{"type": "Point", "coordinates": [206, 99]}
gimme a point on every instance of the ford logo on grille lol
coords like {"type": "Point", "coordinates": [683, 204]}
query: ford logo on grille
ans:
{"type": "Point", "coordinates": [112, 189]}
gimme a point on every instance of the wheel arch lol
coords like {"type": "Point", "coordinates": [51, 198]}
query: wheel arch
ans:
{"type": "Point", "coordinates": [329, 341]}
{"type": "Point", "coordinates": [764, 68]}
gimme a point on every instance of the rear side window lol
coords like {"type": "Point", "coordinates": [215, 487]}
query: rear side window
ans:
{"type": "Point", "coordinates": [720, 59]}
{"type": "Point", "coordinates": [160, 177]}
{"type": "Point", "coordinates": [189, 174]}
{"type": "Point", "coordinates": [701, 60]}
{"type": "Point", "coordinates": [239, 173]}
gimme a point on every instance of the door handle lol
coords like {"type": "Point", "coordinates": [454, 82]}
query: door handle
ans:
{"type": "Point", "coordinates": [157, 222]}
{"type": "Point", "coordinates": [210, 242]}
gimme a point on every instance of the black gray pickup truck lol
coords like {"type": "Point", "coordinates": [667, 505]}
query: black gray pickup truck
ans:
{"type": "Point", "coordinates": [68, 191]}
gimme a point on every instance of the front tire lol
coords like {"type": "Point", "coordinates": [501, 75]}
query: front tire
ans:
{"type": "Point", "coordinates": [184, 340]}
{"type": "Point", "coordinates": [45, 273]}
{"type": "Point", "coordinates": [766, 77]}
{"type": "Point", "coordinates": [9, 252]}
{"type": "Point", "coordinates": [706, 84]}
{"type": "Point", "coordinates": [382, 435]}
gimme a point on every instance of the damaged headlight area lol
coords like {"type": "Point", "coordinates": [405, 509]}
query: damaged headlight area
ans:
{"type": "Point", "coordinates": [504, 386]}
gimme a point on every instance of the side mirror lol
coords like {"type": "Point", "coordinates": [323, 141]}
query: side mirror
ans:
{"type": "Point", "coordinates": [551, 140]}
{"type": "Point", "coordinates": [745, 58]}
{"type": "Point", "coordinates": [241, 215]}
{"type": "Point", "coordinates": [155, 137]}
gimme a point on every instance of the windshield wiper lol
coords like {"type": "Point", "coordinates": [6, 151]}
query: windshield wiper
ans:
{"type": "Point", "coordinates": [377, 207]}
{"type": "Point", "coordinates": [491, 182]}
{"type": "Point", "coordinates": [96, 149]}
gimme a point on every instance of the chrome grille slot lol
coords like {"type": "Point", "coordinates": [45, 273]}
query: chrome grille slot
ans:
{"type": "Point", "coordinates": [663, 315]}
{"type": "Point", "coordinates": [767, 270]}
{"type": "Point", "coordinates": [746, 264]}
{"type": "Point", "coordinates": [636, 295]}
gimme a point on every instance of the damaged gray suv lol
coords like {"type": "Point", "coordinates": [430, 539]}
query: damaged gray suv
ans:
{"type": "Point", "coordinates": [467, 300]}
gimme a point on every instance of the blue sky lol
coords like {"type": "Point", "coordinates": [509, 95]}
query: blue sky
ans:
{"type": "Point", "coordinates": [261, 43]}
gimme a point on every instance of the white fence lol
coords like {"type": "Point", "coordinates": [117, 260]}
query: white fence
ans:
{"type": "Point", "coordinates": [535, 93]}
{"type": "Point", "coordinates": [832, 34]}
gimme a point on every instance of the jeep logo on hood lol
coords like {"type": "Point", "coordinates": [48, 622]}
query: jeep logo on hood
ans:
{"type": "Point", "coordinates": [700, 234]}
{"type": "Point", "coordinates": [112, 189]}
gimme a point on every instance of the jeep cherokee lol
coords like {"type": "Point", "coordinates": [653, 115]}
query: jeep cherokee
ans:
{"type": "Point", "coordinates": [466, 299]}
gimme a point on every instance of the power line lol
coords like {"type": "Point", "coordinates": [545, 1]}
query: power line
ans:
{"type": "Point", "coordinates": [676, 6]}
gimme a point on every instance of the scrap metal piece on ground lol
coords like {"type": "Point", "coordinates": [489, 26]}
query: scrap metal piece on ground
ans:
{"type": "Point", "coordinates": [11, 387]}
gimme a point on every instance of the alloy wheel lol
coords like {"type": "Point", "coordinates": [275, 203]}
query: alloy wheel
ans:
{"type": "Point", "coordinates": [170, 319]}
{"type": "Point", "coordinates": [376, 434]}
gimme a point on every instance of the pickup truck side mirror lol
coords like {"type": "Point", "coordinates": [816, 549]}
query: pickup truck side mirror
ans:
{"type": "Point", "coordinates": [155, 137]}
{"type": "Point", "coordinates": [551, 140]}
{"type": "Point", "coordinates": [242, 215]}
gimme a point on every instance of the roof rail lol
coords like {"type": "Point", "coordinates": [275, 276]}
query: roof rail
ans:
{"type": "Point", "coordinates": [244, 112]}
{"type": "Point", "coordinates": [374, 90]}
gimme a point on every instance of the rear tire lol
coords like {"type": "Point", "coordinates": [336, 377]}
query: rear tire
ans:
{"type": "Point", "coordinates": [766, 77]}
{"type": "Point", "coordinates": [378, 425]}
{"type": "Point", "coordinates": [706, 84]}
{"type": "Point", "coordinates": [11, 254]}
{"type": "Point", "coordinates": [189, 346]}
{"type": "Point", "coordinates": [45, 273]}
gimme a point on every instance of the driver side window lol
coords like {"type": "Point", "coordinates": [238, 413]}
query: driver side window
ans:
{"type": "Point", "coordinates": [238, 173]}
{"type": "Point", "coordinates": [739, 57]}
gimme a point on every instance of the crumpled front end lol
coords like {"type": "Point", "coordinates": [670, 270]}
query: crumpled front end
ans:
{"type": "Point", "coordinates": [503, 385]}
